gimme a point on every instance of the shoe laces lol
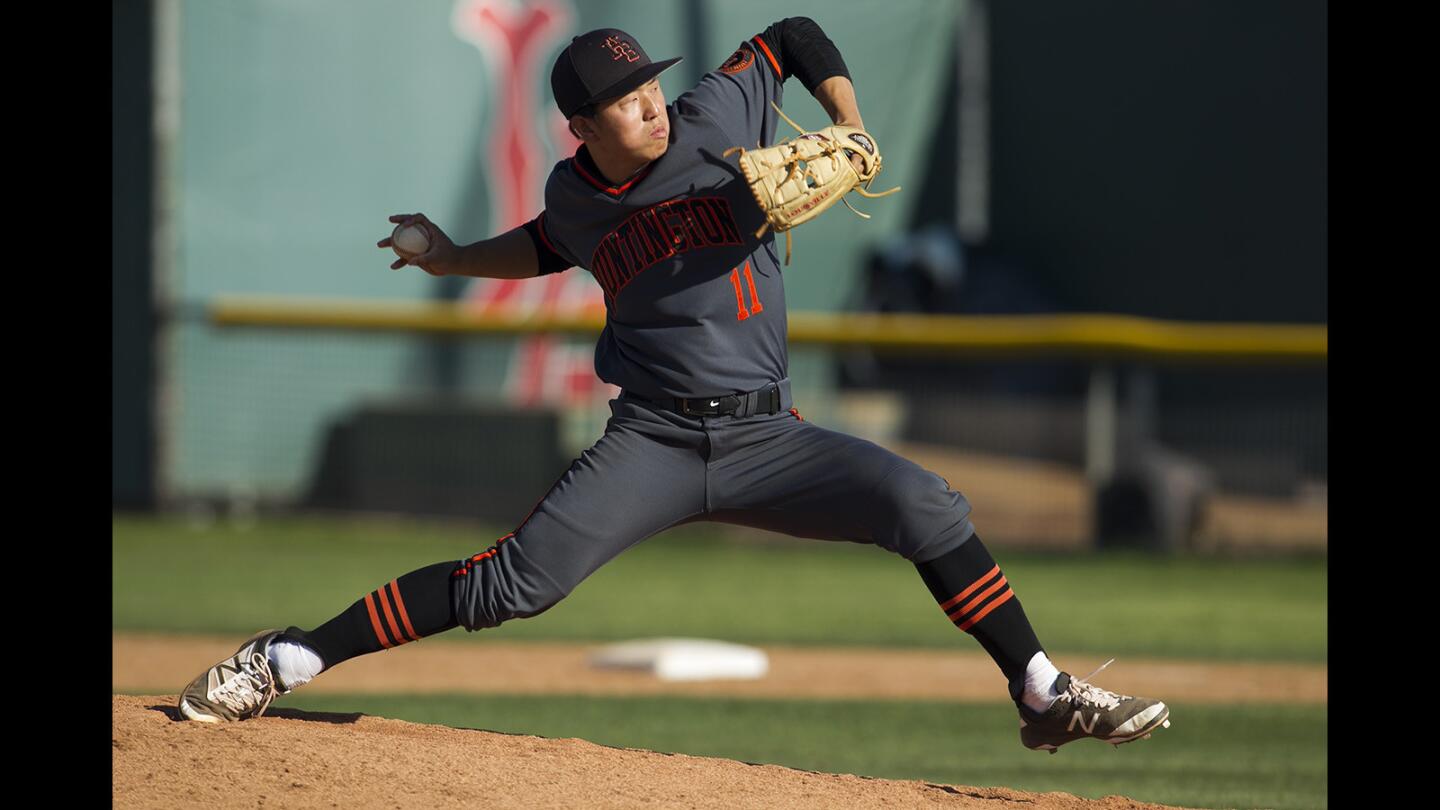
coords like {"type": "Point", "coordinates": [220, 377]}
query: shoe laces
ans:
{"type": "Point", "coordinates": [251, 687]}
{"type": "Point", "coordinates": [1082, 691]}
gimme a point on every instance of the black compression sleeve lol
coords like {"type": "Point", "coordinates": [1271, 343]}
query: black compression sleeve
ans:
{"type": "Point", "coordinates": [804, 51]}
{"type": "Point", "coordinates": [550, 261]}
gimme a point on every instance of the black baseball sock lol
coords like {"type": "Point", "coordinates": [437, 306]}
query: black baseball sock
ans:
{"type": "Point", "coordinates": [406, 609]}
{"type": "Point", "coordinates": [975, 596]}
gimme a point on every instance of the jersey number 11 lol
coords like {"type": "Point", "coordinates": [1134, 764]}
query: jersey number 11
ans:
{"type": "Point", "coordinates": [756, 307]}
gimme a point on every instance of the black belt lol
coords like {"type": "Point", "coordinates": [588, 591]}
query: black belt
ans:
{"type": "Point", "coordinates": [763, 400]}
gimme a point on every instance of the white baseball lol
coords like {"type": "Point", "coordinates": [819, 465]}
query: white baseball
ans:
{"type": "Point", "coordinates": [409, 240]}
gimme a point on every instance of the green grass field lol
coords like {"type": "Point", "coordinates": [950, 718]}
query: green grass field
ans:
{"type": "Point", "coordinates": [695, 582]}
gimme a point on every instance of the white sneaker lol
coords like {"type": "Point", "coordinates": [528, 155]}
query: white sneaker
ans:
{"type": "Point", "coordinates": [238, 688]}
{"type": "Point", "coordinates": [1085, 710]}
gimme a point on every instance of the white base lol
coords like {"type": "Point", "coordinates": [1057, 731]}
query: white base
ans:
{"type": "Point", "coordinates": [684, 659]}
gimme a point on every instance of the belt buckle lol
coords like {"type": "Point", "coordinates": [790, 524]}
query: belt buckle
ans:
{"type": "Point", "coordinates": [687, 411]}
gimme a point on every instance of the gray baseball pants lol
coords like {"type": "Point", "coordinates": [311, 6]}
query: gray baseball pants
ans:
{"type": "Point", "coordinates": [654, 469]}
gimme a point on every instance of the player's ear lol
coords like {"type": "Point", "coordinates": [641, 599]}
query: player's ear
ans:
{"type": "Point", "coordinates": [582, 127]}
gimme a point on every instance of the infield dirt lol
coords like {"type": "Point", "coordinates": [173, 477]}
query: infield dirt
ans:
{"type": "Point", "coordinates": [292, 758]}
{"type": "Point", "coordinates": [145, 662]}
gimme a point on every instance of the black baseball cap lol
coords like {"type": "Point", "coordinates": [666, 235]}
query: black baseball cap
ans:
{"type": "Point", "coordinates": [601, 64]}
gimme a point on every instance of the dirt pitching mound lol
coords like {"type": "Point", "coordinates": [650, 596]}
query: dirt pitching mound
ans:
{"type": "Point", "coordinates": [292, 758]}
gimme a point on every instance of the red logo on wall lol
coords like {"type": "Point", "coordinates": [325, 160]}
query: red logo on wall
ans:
{"type": "Point", "coordinates": [516, 40]}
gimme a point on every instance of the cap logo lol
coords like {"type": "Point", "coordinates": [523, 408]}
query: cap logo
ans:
{"type": "Point", "coordinates": [621, 49]}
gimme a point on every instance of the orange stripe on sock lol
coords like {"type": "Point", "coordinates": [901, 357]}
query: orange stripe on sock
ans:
{"type": "Point", "coordinates": [969, 606]}
{"type": "Point", "coordinates": [375, 621]}
{"type": "Point", "coordinates": [390, 618]}
{"type": "Point", "coordinates": [1009, 594]}
{"type": "Point", "coordinates": [959, 597]}
{"type": "Point", "coordinates": [768, 55]}
{"type": "Point", "coordinates": [400, 606]}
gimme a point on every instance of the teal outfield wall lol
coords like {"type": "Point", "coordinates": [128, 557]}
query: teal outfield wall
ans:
{"type": "Point", "coordinates": [303, 125]}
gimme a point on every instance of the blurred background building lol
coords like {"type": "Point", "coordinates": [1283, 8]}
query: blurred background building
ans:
{"type": "Point", "coordinates": [1156, 161]}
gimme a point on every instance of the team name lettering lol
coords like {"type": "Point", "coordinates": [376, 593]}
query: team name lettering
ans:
{"type": "Point", "coordinates": [662, 232]}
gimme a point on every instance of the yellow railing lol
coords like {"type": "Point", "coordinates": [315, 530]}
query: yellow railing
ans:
{"type": "Point", "coordinates": [973, 335]}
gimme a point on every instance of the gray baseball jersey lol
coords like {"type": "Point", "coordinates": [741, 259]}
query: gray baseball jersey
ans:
{"type": "Point", "coordinates": [695, 303]}
{"type": "Point", "coordinates": [695, 308]}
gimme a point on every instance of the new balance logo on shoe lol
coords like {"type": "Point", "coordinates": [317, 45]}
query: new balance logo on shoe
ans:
{"type": "Point", "coordinates": [1079, 719]}
{"type": "Point", "coordinates": [238, 688]}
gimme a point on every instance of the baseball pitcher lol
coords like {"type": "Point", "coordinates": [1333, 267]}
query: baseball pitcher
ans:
{"type": "Point", "coordinates": [678, 226]}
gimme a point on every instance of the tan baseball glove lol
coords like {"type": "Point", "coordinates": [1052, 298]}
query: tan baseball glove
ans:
{"type": "Point", "coordinates": [795, 180]}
